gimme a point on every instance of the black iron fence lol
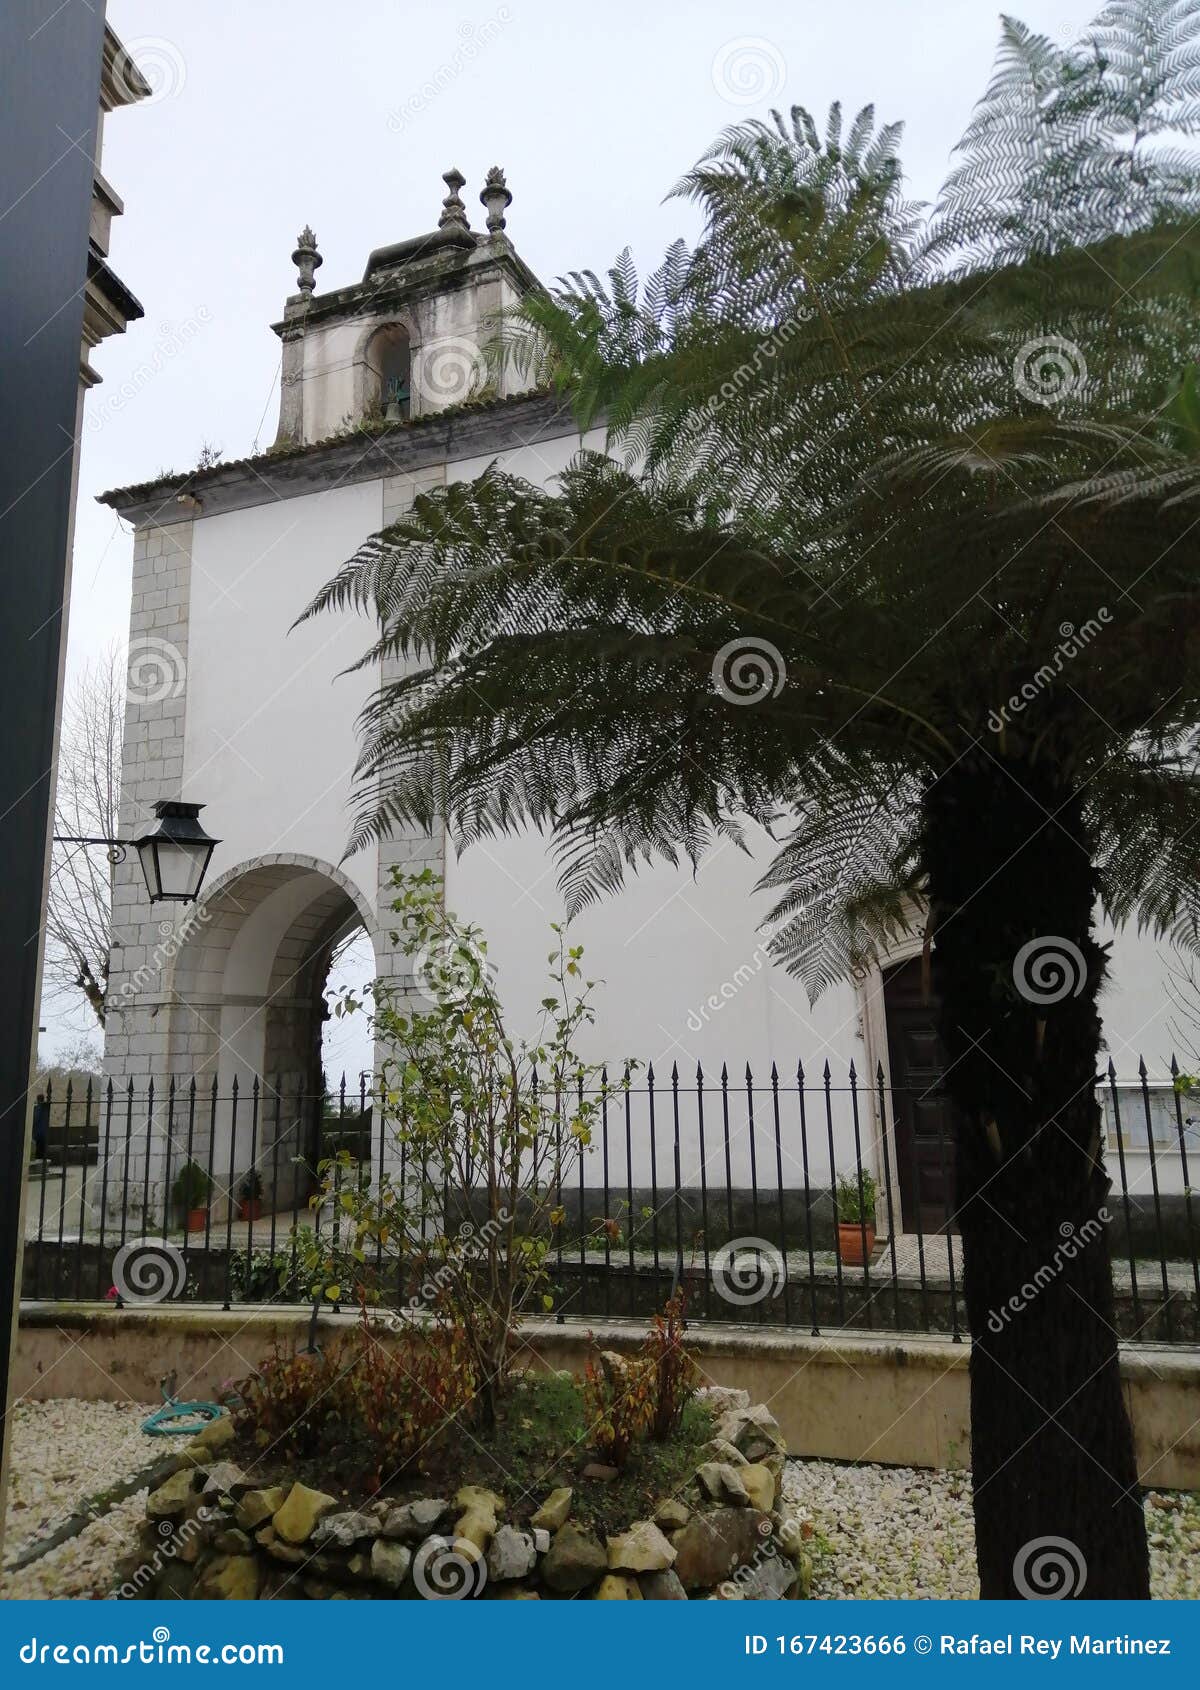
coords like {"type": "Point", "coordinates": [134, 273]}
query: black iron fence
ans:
{"type": "Point", "coordinates": [796, 1202]}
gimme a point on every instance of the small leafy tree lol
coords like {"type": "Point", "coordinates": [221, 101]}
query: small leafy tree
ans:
{"type": "Point", "coordinates": [485, 1130]}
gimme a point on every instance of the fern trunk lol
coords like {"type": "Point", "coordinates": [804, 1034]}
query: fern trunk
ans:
{"type": "Point", "coordinates": [1057, 1505]}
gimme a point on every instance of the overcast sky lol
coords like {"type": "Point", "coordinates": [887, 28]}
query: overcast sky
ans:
{"type": "Point", "coordinates": [272, 113]}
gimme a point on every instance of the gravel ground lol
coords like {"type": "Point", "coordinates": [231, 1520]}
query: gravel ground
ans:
{"type": "Point", "coordinates": [877, 1531]}
{"type": "Point", "coordinates": [900, 1531]}
{"type": "Point", "coordinates": [63, 1452]}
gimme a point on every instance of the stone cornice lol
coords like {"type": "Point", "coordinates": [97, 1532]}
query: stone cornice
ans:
{"type": "Point", "coordinates": [466, 431]}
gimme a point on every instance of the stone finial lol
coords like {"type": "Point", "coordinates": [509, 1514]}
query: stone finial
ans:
{"type": "Point", "coordinates": [307, 260]}
{"type": "Point", "coordinates": [496, 198]}
{"type": "Point", "coordinates": [454, 212]}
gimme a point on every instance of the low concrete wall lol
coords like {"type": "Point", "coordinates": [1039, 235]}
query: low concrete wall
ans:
{"type": "Point", "coordinates": [853, 1397]}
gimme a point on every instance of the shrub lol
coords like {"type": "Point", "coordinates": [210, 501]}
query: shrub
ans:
{"type": "Point", "coordinates": [380, 1405]}
{"type": "Point", "coordinates": [405, 1397]}
{"type": "Point", "coordinates": [619, 1400]}
{"type": "Point", "coordinates": [269, 1276]}
{"type": "Point", "coordinates": [672, 1368]}
{"type": "Point", "coordinates": [191, 1187]}
{"type": "Point", "coordinates": [285, 1403]}
{"type": "Point", "coordinates": [851, 1206]}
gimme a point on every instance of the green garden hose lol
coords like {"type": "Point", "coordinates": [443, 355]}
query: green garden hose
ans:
{"type": "Point", "coordinates": [194, 1415]}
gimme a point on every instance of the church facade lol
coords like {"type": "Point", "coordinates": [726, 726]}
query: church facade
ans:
{"type": "Point", "coordinates": [385, 393]}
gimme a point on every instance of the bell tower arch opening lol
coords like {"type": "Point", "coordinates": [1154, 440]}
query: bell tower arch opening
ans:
{"type": "Point", "coordinates": [388, 359]}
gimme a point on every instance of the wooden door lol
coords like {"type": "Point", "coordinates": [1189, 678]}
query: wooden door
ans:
{"type": "Point", "coordinates": [922, 1114]}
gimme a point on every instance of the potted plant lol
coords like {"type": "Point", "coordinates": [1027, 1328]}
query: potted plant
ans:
{"type": "Point", "coordinates": [190, 1192]}
{"type": "Point", "coordinates": [250, 1196]}
{"type": "Point", "coordinates": [856, 1216]}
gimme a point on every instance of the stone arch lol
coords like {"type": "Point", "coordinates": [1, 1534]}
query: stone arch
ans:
{"type": "Point", "coordinates": [245, 990]}
{"type": "Point", "coordinates": [245, 986]}
{"type": "Point", "coordinates": [384, 349]}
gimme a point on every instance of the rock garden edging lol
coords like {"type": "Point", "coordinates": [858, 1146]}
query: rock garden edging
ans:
{"type": "Point", "coordinates": [212, 1532]}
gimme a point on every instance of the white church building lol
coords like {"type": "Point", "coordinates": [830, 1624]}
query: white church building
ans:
{"type": "Point", "coordinates": [383, 395]}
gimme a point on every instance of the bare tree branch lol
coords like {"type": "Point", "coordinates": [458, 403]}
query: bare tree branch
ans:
{"type": "Point", "coordinates": [78, 920]}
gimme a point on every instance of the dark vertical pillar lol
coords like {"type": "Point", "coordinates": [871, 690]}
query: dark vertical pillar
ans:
{"type": "Point", "coordinates": [51, 54]}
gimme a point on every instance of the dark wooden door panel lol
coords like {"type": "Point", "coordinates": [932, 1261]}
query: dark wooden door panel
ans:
{"type": "Point", "coordinates": [922, 1113]}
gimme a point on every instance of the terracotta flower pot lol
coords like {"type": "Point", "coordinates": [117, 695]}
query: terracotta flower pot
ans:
{"type": "Point", "coordinates": [850, 1241]}
{"type": "Point", "coordinates": [197, 1219]}
{"type": "Point", "coordinates": [250, 1209]}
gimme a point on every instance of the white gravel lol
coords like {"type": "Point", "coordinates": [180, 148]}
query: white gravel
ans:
{"type": "Point", "coordinates": [904, 1532]}
{"type": "Point", "coordinates": [63, 1452]}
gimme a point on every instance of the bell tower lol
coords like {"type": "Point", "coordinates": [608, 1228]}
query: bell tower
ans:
{"type": "Point", "coordinates": [408, 339]}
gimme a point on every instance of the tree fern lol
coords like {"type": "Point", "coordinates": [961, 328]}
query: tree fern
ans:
{"type": "Point", "coordinates": [830, 436]}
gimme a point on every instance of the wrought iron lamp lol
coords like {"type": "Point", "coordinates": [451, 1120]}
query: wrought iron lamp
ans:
{"type": "Point", "coordinates": [174, 854]}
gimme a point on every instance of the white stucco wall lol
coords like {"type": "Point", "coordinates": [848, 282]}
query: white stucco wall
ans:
{"type": "Point", "coordinates": [685, 975]}
{"type": "Point", "coordinates": [538, 460]}
{"type": "Point", "coordinates": [270, 740]}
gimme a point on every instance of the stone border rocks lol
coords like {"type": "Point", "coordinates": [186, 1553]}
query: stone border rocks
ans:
{"type": "Point", "coordinates": [211, 1532]}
